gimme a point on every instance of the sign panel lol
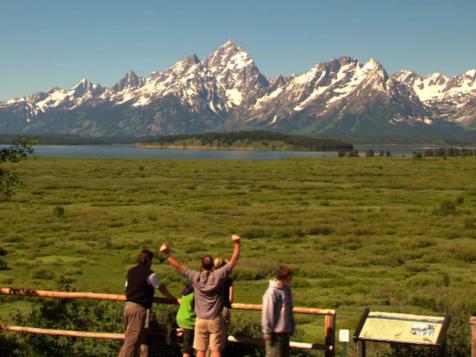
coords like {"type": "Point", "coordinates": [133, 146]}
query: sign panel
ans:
{"type": "Point", "coordinates": [344, 336]}
{"type": "Point", "coordinates": [402, 328]}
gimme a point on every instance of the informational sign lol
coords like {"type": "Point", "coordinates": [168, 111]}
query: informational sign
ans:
{"type": "Point", "coordinates": [344, 336]}
{"type": "Point", "coordinates": [402, 328]}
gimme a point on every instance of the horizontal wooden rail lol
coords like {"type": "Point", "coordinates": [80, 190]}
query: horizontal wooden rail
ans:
{"type": "Point", "coordinates": [73, 295]}
{"type": "Point", "coordinates": [472, 322]}
{"type": "Point", "coordinates": [297, 310]}
{"type": "Point", "coordinates": [292, 344]}
{"type": "Point", "coordinates": [68, 333]}
{"type": "Point", "coordinates": [161, 300]}
{"type": "Point", "coordinates": [330, 315]}
{"type": "Point", "coordinates": [120, 336]}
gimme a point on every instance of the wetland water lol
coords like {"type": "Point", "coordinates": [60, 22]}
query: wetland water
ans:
{"type": "Point", "coordinates": [131, 151]}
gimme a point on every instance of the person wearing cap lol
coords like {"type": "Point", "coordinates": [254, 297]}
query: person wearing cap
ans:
{"type": "Point", "coordinates": [140, 287]}
{"type": "Point", "coordinates": [277, 319]}
{"type": "Point", "coordinates": [208, 290]}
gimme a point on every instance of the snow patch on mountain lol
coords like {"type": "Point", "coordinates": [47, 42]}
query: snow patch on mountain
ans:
{"type": "Point", "coordinates": [228, 85]}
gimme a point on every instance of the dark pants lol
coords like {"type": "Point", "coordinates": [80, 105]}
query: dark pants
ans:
{"type": "Point", "coordinates": [278, 346]}
{"type": "Point", "coordinates": [188, 341]}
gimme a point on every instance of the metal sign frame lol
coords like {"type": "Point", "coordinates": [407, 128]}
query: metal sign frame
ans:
{"type": "Point", "coordinates": [440, 343]}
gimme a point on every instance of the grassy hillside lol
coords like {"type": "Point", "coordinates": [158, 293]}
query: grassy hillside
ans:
{"type": "Point", "coordinates": [391, 234]}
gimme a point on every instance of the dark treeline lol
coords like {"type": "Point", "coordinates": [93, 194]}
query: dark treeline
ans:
{"type": "Point", "coordinates": [444, 152]}
{"type": "Point", "coordinates": [227, 139]}
{"type": "Point", "coordinates": [68, 139]}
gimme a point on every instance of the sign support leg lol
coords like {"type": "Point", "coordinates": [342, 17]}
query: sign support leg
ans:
{"type": "Point", "coordinates": [361, 347]}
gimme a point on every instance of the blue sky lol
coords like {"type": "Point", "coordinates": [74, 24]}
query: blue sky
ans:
{"type": "Point", "coordinates": [57, 43]}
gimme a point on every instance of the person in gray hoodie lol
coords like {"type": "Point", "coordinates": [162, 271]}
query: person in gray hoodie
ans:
{"type": "Point", "coordinates": [277, 318]}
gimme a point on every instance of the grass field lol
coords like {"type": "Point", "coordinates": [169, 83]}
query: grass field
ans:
{"type": "Point", "coordinates": [392, 234]}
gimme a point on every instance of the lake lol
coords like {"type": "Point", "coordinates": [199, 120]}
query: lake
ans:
{"type": "Point", "coordinates": [131, 151]}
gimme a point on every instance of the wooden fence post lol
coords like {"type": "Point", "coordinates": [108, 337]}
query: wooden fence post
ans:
{"type": "Point", "coordinates": [330, 326]}
{"type": "Point", "coordinates": [472, 322]}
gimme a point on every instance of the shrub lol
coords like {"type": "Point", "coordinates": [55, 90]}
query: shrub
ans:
{"type": "Point", "coordinates": [420, 281]}
{"type": "Point", "coordinates": [466, 256]}
{"type": "Point", "coordinates": [417, 155]}
{"type": "Point", "coordinates": [416, 267]}
{"type": "Point", "coordinates": [245, 273]}
{"type": "Point", "coordinates": [299, 282]}
{"type": "Point", "coordinates": [153, 217]}
{"type": "Point", "coordinates": [58, 211]}
{"type": "Point", "coordinates": [446, 208]}
{"type": "Point", "coordinates": [319, 229]}
{"type": "Point", "coordinates": [67, 314]}
{"type": "Point", "coordinates": [42, 273]}
{"type": "Point", "coordinates": [254, 233]}
{"type": "Point", "coordinates": [244, 325]}
{"type": "Point", "coordinates": [3, 265]}
{"type": "Point", "coordinates": [446, 279]}
{"type": "Point", "coordinates": [423, 243]}
{"type": "Point", "coordinates": [469, 223]}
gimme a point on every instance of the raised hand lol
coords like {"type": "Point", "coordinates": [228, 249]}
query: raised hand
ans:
{"type": "Point", "coordinates": [164, 249]}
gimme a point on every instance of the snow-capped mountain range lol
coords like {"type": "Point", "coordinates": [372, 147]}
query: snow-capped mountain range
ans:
{"type": "Point", "coordinates": [226, 91]}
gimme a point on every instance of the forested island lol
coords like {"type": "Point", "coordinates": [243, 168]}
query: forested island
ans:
{"type": "Point", "coordinates": [247, 140]}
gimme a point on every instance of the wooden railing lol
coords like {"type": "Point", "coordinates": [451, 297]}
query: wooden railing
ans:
{"type": "Point", "coordinates": [472, 322]}
{"type": "Point", "coordinates": [330, 319]}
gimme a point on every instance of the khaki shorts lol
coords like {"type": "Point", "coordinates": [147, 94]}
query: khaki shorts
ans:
{"type": "Point", "coordinates": [209, 334]}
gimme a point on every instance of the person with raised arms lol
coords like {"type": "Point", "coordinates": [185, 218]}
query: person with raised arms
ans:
{"type": "Point", "coordinates": [209, 301]}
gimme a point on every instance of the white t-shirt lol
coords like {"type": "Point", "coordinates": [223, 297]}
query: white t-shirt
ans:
{"type": "Point", "coordinates": [152, 279]}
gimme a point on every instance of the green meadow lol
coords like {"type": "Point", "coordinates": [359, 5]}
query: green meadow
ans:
{"type": "Point", "coordinates": [391, 234]}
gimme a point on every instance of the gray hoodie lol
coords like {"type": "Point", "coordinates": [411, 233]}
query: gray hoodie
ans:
{"type": "Point", "coordinates": [277, 314]}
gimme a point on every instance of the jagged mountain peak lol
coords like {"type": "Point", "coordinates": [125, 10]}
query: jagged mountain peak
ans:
{"type": "Point", "coordinates": [405, 75]}
{"type": "Point", "coordinates": [230, 43]}
{"type": "Point", "coordinates": [54, 89]}
{"type": "Point", "coordinates": [335, 64]}
{"type": "Point", "coordinates": [279, 80]}
{"type": "Point", "coordinates": [82, 83]}
{"type": "Point", "coordinates": [229, 54]}
{"type": "Point", "coordinates": [86, 85]}
{"type": "Point", "coordinates": [130, 80]}
{"type": "Point", "coordinates": [131, 75]}
{"type": "Point", "coordinates": [471, 73]}
{"type": "Point", "coordinates": [344, 60]}
{"type": "Point", "coordinates": [374, 66]}
{"type": "Point", "coordinates": [184, 65]}
{"type": "Point", "coordinates": [238, 80]}
{"type": "Point", "coordinates": [373, 62]}
{"type": "Point", "coordinates": [192, 59]}
{"type": "Point", "coordinates": [227, 88]}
